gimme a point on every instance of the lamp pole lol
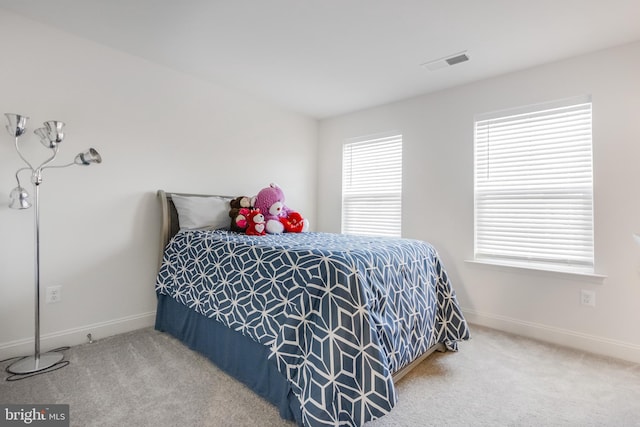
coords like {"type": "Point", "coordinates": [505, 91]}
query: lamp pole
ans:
{"type": "Point", "coordinates": [36, 221]}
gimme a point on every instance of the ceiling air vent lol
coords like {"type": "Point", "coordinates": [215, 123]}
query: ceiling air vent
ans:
{"type": "Point", "coordinates": [447, 61]}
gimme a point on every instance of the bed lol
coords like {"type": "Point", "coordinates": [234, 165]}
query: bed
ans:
{"type": "Point", "coordinates": [321, 325]}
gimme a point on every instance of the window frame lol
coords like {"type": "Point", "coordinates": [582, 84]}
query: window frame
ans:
{"type": "Point", "coordinates": [568, 265]}
{"type": "Point", "coordinates": [391, 196]}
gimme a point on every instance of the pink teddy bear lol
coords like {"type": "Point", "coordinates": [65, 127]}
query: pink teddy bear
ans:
{"type": "Point", "coordinates": [270, 201]}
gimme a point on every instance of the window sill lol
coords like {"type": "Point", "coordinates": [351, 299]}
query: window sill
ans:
{"type": "Point", "coordinates": [565, 274]}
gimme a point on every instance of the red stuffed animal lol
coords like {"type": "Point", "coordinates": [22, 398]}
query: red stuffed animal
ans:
{"type": "Point", "coordinates": [255, 223]}
{"type": "Point", "coordinates": [293, 223]}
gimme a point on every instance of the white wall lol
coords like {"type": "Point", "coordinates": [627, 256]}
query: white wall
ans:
{"type": "Point", "coordinates": [438, 197]}
{"type": "Point", "coordinates": [155, 128]}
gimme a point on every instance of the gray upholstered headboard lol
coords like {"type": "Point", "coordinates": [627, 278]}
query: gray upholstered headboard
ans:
{"type": "Point", "coordinates": [170, 224]}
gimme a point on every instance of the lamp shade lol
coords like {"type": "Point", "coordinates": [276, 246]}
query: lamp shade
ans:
{"type": "Point", "coordinates": [54, 130]}
{"type": "Point", "coordinates": [17, 124]}
{"type": "Point", "coordinates": [19, 199]}
{"type": "Point", "coordinates": [88, 157]}
{"type": "Point", "coordinates": [43, 134]}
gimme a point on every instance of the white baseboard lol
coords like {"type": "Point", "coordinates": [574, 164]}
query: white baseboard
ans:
{"type": "Point", "coordinates": [75, 336]}
{"type": "Point", "coordinates": [585, 342]}
{"type": "Point", "coordinates": [577, 340]}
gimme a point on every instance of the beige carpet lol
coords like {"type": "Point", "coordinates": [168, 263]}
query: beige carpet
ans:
{"type": "Point", "coordinates": [146, 378]}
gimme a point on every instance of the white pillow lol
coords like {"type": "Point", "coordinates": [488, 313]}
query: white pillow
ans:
{"type": "Point", "coordinates": [202, 212]}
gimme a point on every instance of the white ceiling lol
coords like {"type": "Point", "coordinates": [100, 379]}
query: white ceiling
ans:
{"type": "Point", "coordinates": [328, 57]}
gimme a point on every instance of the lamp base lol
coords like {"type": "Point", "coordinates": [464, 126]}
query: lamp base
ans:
{"type": "Point", "coordinates": [31, 364]}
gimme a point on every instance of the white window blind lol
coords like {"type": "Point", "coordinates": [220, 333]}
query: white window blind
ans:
{"type": "Point", "coordinates": [372, 186]}
{"type": "Point", "coordinates": [534, 186]}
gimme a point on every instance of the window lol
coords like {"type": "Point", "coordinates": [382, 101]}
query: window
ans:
{"type": "Point", "coordinates": [534, 186]}
{"type": "Point", "coordinates": [372, 186]}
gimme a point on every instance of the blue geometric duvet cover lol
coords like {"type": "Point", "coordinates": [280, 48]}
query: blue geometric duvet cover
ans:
{"type": "Point", "coordinates": [339, 313]}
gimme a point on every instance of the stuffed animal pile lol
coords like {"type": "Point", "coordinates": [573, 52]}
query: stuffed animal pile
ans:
{"type": "Point", "coordinates": [265, 213]}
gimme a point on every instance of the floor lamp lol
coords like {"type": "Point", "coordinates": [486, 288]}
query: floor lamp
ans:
{"type": "Point", "coordinates": [51, 136]}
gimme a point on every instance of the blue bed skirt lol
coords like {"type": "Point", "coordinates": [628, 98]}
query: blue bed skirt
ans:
{"type": "Point", "coordinates": [237, 355]}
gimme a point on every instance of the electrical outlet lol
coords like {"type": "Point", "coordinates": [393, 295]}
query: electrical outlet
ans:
{"type": "Point", "coordinates": [588, 297]}
{"type": "Point", "coordinates": [54, 294]}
